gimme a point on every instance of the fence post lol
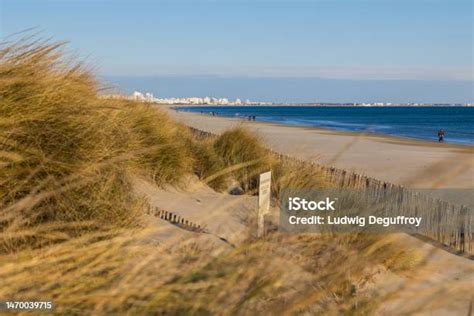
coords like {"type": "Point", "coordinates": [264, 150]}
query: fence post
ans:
{"type": "Point", "coordinates": [264, 190]}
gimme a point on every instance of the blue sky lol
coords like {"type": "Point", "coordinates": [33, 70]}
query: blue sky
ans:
{"type": "Point", "coordinates": [350, 40]}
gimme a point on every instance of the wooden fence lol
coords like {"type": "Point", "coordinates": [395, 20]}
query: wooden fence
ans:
{"type": "Point", "coordinates": [175, 219]}
{"type": "Point", "coordinates": [449, 224]}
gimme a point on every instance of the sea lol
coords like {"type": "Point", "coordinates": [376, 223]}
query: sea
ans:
{"type": "Point", "coordinates": [410, 122]}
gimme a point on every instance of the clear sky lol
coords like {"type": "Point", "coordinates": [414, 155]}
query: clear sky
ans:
{"type": "Point", "coordinates": [349, 40]}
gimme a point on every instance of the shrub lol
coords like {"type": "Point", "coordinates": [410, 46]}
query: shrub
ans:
{"type": "Point", "coordinates": [243, 150]}
{"type": "Point", "coordinates": [293, 175]}
{"type": "Point", "coordinates": [208, 164]}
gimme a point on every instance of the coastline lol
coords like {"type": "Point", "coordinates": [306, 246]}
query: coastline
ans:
{"type": "Point", "coordinates": [406, 161]}
{"type": "Point", "coordinates": [396, 136]}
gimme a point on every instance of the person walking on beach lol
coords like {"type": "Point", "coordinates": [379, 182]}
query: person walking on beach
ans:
{"type": "Point", "coordinates": [441, 135]}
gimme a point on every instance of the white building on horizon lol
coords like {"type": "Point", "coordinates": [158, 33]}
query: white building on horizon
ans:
{"type": "Point", "coordinates": [148, 97]}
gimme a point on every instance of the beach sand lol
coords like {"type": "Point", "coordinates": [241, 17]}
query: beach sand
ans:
{"type": "Point", "coordinates": [413, 163]}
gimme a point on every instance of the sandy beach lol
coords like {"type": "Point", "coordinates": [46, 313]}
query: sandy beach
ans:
{"type": "Point", "coordinates": [413, 163]}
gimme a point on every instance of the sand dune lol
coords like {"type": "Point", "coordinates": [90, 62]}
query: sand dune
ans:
{"type": "Point", "coordinates": [438, 282]}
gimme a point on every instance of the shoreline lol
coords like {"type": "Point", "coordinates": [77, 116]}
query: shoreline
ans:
{"type": "Point", "coordinates": [405, 161]}
{"type": "Point", "coordinates": [406, 140]}
{"type": "Point", "coordinates": [333, 130]}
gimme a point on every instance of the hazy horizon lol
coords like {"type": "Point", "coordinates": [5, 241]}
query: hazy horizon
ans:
{"type": "Point", "coordinates": [296, 90]}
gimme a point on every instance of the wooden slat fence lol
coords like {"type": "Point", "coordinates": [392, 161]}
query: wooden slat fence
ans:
{"type": "Point", "coordinates": [176, 220]}
{"type": "Point", "coordinates": [452, 225]}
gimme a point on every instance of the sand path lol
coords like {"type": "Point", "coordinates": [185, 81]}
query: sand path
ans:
{"type": "Point", "coordinates": [222, 215]}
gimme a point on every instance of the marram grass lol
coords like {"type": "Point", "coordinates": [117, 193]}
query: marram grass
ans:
{"type": "Point", "coordinates": [66, 154]}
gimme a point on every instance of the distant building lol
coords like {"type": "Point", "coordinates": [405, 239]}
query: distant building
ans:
{"type": "Point", "coordinates": [138, 96]}
{"type": "Point", "coordinates": [148, 97]}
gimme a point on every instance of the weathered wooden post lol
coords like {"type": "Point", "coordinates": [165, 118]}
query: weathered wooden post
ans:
{"type": "Point", "coordinates": [264, 193]}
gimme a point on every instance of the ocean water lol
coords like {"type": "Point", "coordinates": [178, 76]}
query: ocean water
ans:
{"type": "Point", "coordinates": [413, 122]}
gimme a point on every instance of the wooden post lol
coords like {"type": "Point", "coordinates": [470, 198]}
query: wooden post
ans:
{"type": "Point", "coordinates": [263, 201]}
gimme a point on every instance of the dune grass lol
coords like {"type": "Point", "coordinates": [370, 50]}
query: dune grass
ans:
{"type": "Point", "coordinates": [207, 163]}
{"type": "Point", "coordinates": [239, 146]}
{"type": "Point", "coordinates": [121, 273]}
{"type": "Point", "coordinates": [65, 153]}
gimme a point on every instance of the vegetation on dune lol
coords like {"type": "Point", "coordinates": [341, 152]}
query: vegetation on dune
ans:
{"type": "Point", "coordinates": [119, 273]}
{"type": "Point", "coordinates": [162, 143]}
{"type": "Point", "coordinates": [293, 175]}
{"type": "Point", "coordinates": [240, 147]}
{"type": "Point", "coordinates": [66, 154]}
{"type": "Point", "coordinates": [208, 165]}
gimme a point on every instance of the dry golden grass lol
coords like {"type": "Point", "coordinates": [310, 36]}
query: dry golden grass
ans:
{"type": "Point", "coordinates": [208, 163]}
{"type": "Point", "coordinates": [66, 154]}
{"type": "Point", "coordinates": [239, 146]}
{"type": "Point", "coordinates": [121, 273]}
{"type": "Point", "coordinates": [293, 175]}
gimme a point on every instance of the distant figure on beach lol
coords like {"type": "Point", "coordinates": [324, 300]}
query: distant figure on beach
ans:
{"type": "Point", "coordinates": [441, 135]}
{"type": "Point", "coordinates": [253, 118]}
